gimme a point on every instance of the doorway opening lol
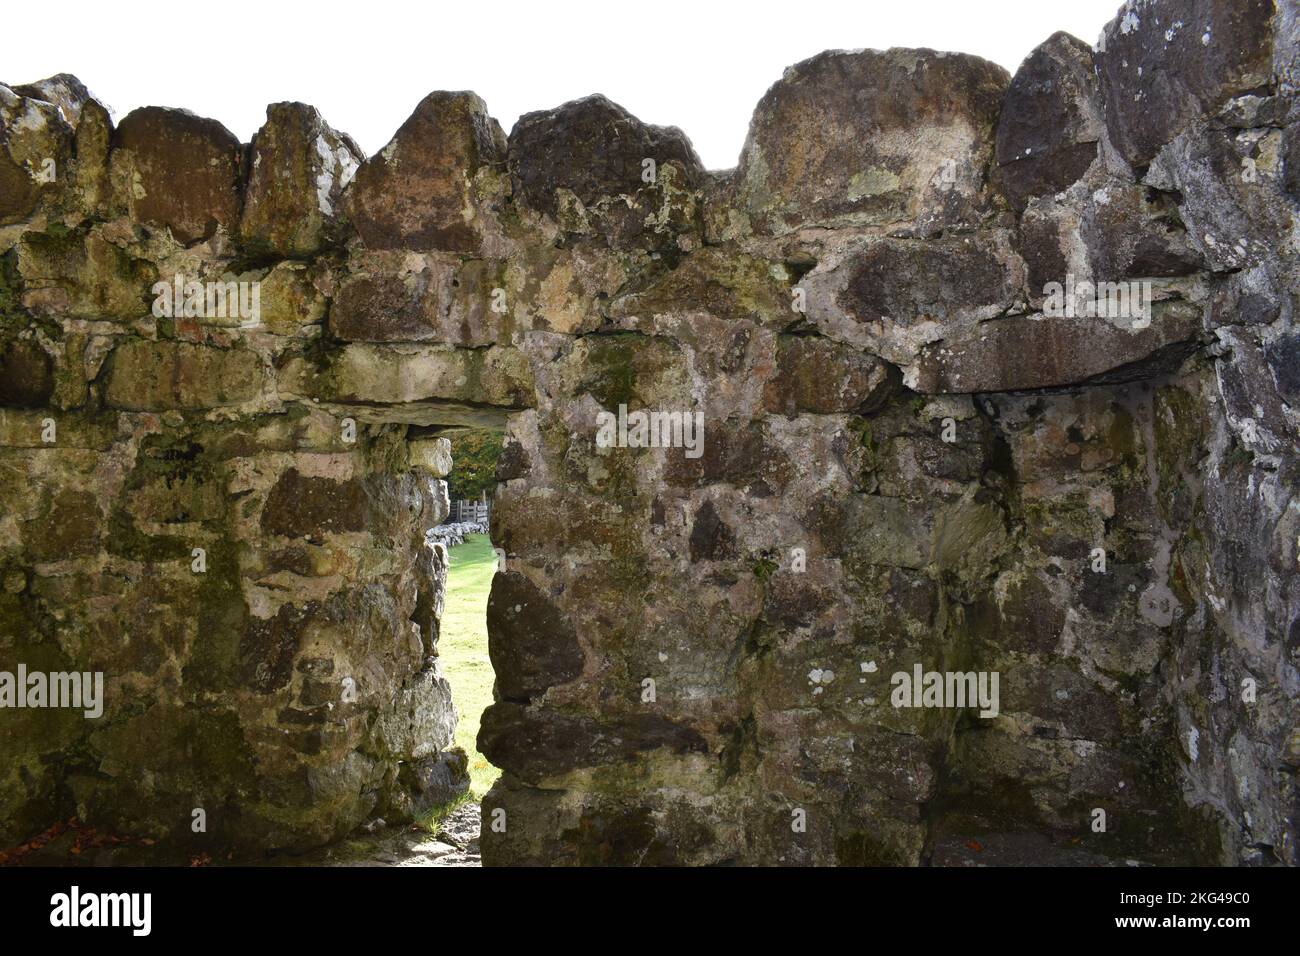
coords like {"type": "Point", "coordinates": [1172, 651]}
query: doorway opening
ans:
{"type": "Point", "coordinates": [471, 564]}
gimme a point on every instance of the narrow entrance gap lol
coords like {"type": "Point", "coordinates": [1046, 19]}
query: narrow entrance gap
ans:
{"type": "Point", "coordinates": [462, 640]}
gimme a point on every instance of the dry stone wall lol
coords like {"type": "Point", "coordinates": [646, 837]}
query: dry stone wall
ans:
{"type": "Point", "coordinates": [972, 374]}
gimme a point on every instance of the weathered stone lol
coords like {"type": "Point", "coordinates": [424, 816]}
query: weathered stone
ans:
{"type": "Point", "coordinates": [54, 141]}
{"type": "Point", "coordinates": [536, 744]}
{"type": "Point", "coordinates": [63, 90]}
{"type": "Point", "coordinates": [874, 530]}
{"type": "Point", "coordinates": [431, 455]}
{"type": "Point", "coordinates": [86, 168]}
{"type": "Point", "coordinates": [710, 280]}
{"type": "Point", "coordinates": [82, 276]}
{"type": "Point", "coordinates": [290, 299]}
{"type": "Point", "coordinates": [160, 375]}
{"type": "Point", "coordinates": [439, 780]}
{"type": "Point", "coordinates": [26, 374]}
{"type": "Point", "coordinates": [1249, 298]}
{"type": "Point", "coordinates": [1047, 231]}
{"type": "Point", "coordinates": [1284, 359]}
{"type": "Point", "coordinates": [627, 369]}
{"type": "Point", "coordinates": [747, 457]}
{"type": "Point", "coordinates": [1031, 611]}
{"type": "Point", "coordinates": [300, 506]}
{"type": "Point", "coordinates": [419, 299]}
{"type": "Point", "coordinates": [1247, 386]}
{"type": "Point", "coordinates": [299, 169]}
{"type": "Point", "coordinates": [1291, 159]}
{"type": "Point", "coordinates": [532, 646]}
{"type": "Point", "coordinates": [268, 648]}
{"type": "Point", "coordinates": [908, 282]}
{"type": "Point", "coordinates": [68, 528]}
{"type": "Point", "coordinates": [559, 288]}
{"type": "Point", "coordinates": [93, 145]}
{"type": "Point", "coordinates": [409, 375]}
{"type": "Point", "coordinates": [513, 462]}
{"type": "Point", "coordinates": [174, 169]}
{"type": "Point", "coordinates": [586, 165]}
{"type": "Point", "coordinates": [712, 539]}
{"type": "Point", "coordinates": [1050, 122]}
{"type": "Point", "coordinates": [392, 308]}
{"type": "Point", "coordinates": [35, 146]}
{"type": "Point", "coordinates": [823, 377]}
{"type": "Point", "coordinates": [1024, 352]}
{"type": "Point", "coordinates": [418, 192]}
{"type": "Point", "coordinates": [18, 192]}
{"type": "Point", "coordinates": [1129, 232]}
{"type": "Point", "coordinates": [835, 141]}
{"type": "Point", "coordinates": [1230, 193]}
{"type": "Point", "coordinates": [892, 296]}
{"type": "Point", "coordinates": [1163, 65]}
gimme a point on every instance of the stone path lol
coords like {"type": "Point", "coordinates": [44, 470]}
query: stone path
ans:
{"type": "Point", "coordinates": [1019, 849]}
{"type": "Point", "coordinates": [455, 844]}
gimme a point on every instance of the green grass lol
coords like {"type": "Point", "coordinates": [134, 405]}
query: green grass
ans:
{"type": "Point", "coordinates": [463, 649]}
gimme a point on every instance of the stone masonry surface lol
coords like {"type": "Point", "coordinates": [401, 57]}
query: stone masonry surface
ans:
{"type": "Point", "coordinates": [916, 450]}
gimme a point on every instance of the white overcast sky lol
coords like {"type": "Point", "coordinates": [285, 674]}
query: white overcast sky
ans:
{"type": "Point", "coordinates": [698, 64]}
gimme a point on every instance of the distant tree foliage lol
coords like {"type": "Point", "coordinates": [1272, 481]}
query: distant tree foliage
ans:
{"type": "Point", "coordinates": [474, 454]}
